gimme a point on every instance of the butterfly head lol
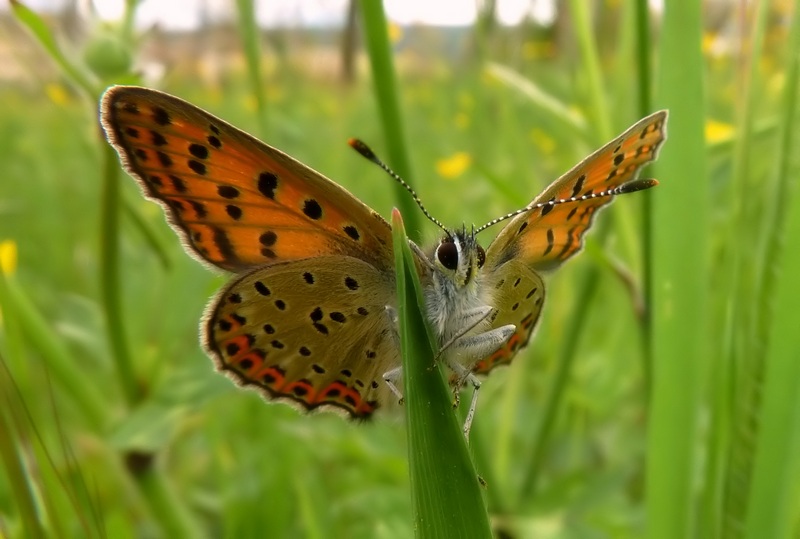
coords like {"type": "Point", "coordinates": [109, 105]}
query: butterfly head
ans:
{"type": "Point", "coordinates": [459, 256]}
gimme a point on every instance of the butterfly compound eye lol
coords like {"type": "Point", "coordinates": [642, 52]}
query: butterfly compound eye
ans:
{"type": "Point", "coordinates": [447, 253]}
{"type": "Point", "coordinates": [481, 256]}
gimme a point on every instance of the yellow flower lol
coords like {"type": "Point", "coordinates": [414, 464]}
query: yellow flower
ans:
{"type": "Point", "coordinates": [454, 166]}
{"type": "Point", "coordinates": [8, 256]}
{"type": "Point", "coordinates": [275, 93]}
{"type": "Point", "coordinates": [466, 101]}
{"type": "Point", "coordinates": [718, 131]}
{"type": "Point", "coordinates": [57, 93]}
{"type": "Point", "coordinates": [462, 120]}
{"type": "Point", "coordinates": [533, 50]}
{"type": "Point", "coordinates": [250, 103]}
{"type": "Point", "coordinates": [214, 94]}
{"type": "Point", "coordinates": [543, 141]}
{"type": "Point", "coordinates": [395, 32]}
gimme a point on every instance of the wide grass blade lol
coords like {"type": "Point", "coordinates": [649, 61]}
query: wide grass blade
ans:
{"type": "Point", "coordinates": [680, 278]}
{"type": "Point", "coordinates": [445, 492]}
{"type": "Point", "coordinates": [744, 351]}
{"type": "Point", "coordinates": [775, 464]}
{"type": "Point", "coordinates": [773, 497]}
{"type": "Point", "coordinates": [384, 84]}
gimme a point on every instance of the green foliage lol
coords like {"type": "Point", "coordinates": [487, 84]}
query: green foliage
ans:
{"type": "Point", "coordinates": [678, 421]}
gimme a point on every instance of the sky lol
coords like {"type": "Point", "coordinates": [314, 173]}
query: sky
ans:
{"type": "Point", "coordinates": [188, 14]}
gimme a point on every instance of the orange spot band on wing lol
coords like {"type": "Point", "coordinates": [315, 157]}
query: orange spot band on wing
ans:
{"type": "Point", "coordinates": [273, 377]}
{"type": "Point", "coordinates": [348, 397]}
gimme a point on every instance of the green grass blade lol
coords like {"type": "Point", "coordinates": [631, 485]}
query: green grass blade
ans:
{"type": "Point", "coordinates": [773, 497]}
{"type": "Point", "coordinates": [599, 112]}
{"type": "Point", "coordinates": [166, 505]}
{"type": "Point", "coordinates": [643, 51]}
{"type": "Point", "coordinates": [249, 35]}
{"type": "Point", "coordinates": [110, 288]}
{"type": "Point", "coordinates": [769, 504]}
{"type": "Point", "coordinates": [145, 228]}
{"type": "Point", "coordinates": [680, 278]}
{"type": "Point", "coordinates": [445, 492]}
{"type": "Point", "coordinates": [744, 350]}
{"type": "Point", "coordinates": [385, 87]}
{"type": "Point", "coordinates": [540, 98]}
{"type": "Point", "coordinates": [12, 460]}
{"type": "Point", "coordinates": [56, 355]}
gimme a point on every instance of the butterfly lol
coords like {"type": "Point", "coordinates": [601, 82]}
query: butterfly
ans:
{"type": "Point", "coordinates": [309, 317]}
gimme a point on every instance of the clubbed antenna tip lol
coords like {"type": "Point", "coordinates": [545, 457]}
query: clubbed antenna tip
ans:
{"type": "Point", "coordinates": [363, 149]}
{"type": "Point", "coordinates": [367, 152]}
{"type": "Point", "coordinates": [636, 185]}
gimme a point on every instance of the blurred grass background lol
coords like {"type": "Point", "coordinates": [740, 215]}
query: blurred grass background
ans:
{"type": "Point", "coordinates": [681, 420]}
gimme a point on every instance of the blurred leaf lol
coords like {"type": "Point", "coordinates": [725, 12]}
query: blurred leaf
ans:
{"type": "Point", "coordinates": [148, 428]}
{"type": "Point", "coordinates": [54, 352]}
{"type": "Point", "coordinates": [34, 23]}
{"type": "Point", "coordinates": [545, 102]}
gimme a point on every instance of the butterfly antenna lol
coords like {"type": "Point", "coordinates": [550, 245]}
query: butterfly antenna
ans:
{"type": "Point", "coordinates": [629, 187]}
{"type": "Point", "coordinates": [367, 152]}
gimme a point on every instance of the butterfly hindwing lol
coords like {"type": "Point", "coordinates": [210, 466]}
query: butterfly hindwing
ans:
{"type": "Point", "coordinates": [313, 332]}
{"type": "Point", "coordinates": [545, 237]}
{"type": "Point", "coordinates": [518, 294]}
{"type": "Point", "coordinates": [236, 202]}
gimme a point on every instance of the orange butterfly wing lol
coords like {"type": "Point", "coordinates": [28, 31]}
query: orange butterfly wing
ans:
{"type": "Point", "coordinates": [236, 202]}
{"type": "Point", "coordinates": [305, 321]}
{"type": "Point", "coordinates": [544, 237]}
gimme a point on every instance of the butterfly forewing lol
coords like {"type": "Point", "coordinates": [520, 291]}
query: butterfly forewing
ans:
{"type": "Point", "coordinates": [543, 238]}
{"type": "Point", "coordinates": [313, 332]}
{"type": "Point", "coordinates": [546, 237]}
{"type": "Point", "coordinates": [237, 202]}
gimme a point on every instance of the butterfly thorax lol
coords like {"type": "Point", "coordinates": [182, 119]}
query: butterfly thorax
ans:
{"type": "Point", "coordinates": [455, 288]}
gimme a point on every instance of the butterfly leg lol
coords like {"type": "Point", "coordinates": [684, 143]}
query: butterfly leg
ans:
{"type": "Point", "coordinates": [464, 375]}
{"type": "Point", "coordinates": [469, 349]}
{"type": "Point", "coordinates": [391, 377]}
{"type": "Point", "coordinates": [471, 320]}
{"type": "Point", "coordinates": [472, 348]}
